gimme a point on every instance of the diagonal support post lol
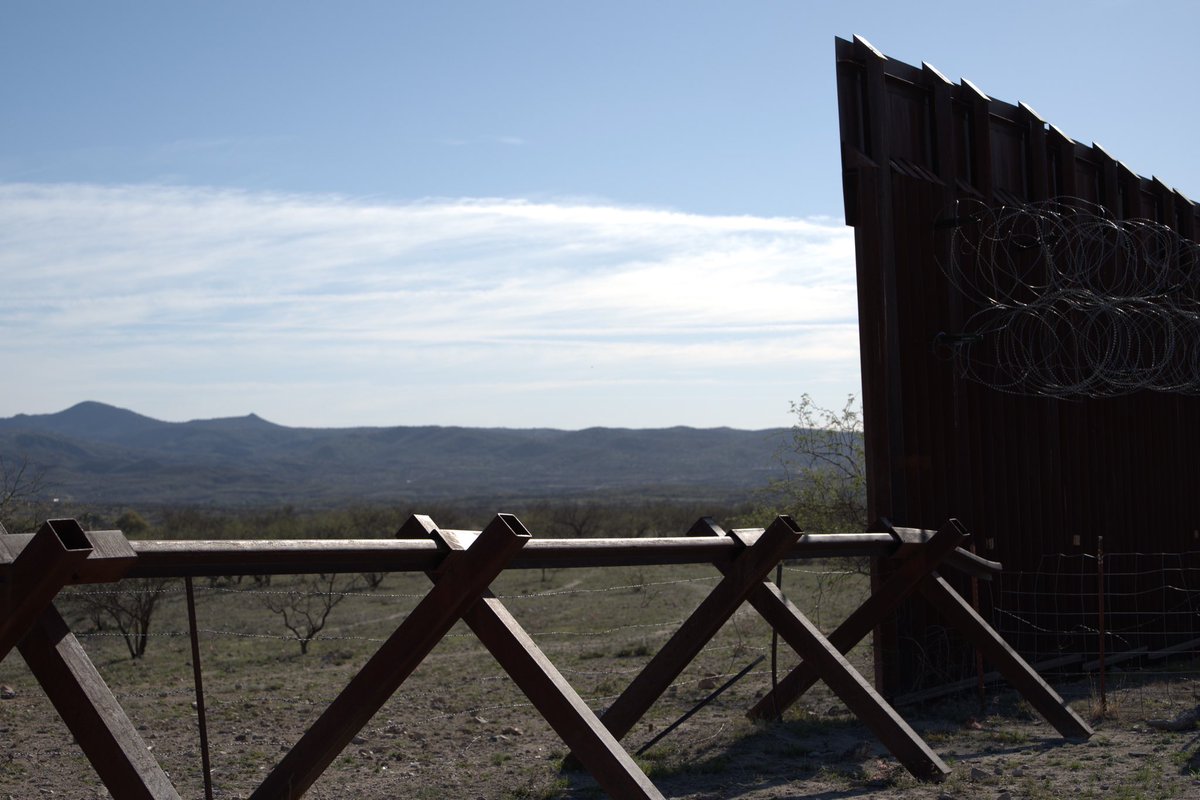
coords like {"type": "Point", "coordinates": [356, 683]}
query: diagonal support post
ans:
{"type": "Point", "coordinates": [42, 568]}
{"type": "Point", "coordinates": [846, 682]}
{"type": "Point", "coordinates": [882, 602]}
{"type": "Point", "coordinates": [37, 567]}
{"type": "Point", "coordinates": [558, 703]}
{"type": "Point", "coordinates": [1015, 669]}
{"type": "Point", "coordinates": [742, 573]}
{"type": "Point", "coordinates": [461, 581]}
{"type": "Point", "coordinates": [95, 718]}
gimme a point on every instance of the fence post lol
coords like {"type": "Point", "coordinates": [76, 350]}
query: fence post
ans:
{"type": "Point", "coordinates": [1100, 620]}
{"type": "Point", "coordinates": [981, 686]}
{"type": "Point", "coordinates": [198, 679]}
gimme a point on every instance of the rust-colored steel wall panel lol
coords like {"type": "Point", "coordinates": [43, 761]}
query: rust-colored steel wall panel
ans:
{"type": "Point", "coordinates": [1031, 475]}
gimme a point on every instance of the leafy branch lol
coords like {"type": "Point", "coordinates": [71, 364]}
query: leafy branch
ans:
{"type": "Point", "coordinates": [824, 485]}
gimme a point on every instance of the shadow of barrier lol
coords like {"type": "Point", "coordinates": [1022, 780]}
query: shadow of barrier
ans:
{"type": "Point", "coordinates": [461, 565]}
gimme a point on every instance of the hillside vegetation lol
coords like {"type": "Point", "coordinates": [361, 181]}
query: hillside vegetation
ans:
{"type": "Point", "coordinates": [93, 453]}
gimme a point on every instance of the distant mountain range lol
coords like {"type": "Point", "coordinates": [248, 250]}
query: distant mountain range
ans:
{"type": "Point", "coordinates": [96, 453]}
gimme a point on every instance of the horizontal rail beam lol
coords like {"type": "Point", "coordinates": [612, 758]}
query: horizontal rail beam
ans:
{"type": "Point", "coordinates": [962, 560]}
{"type": "Point", "coordinates": [182, 558]}
{"type": "Point", "coordinates": [109, 557]}
{"type": "Point", "coordinates": [252, 557]}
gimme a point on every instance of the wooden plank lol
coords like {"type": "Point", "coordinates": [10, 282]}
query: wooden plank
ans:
{"type": "Point", "coordinates": [1014, 668]}
{"type": "Point", "coordinates": [866, 179]}
{"type": "Point", "coordinates": [886, 360]}
{"type": "Point", "coordinates": [114, 557]}
{"type": "Point", "coordinates": [92, 714]}
{"type": "Point", "coordinates": [745, 572]}
{"type": "Point", "coordinates": [464, 577]}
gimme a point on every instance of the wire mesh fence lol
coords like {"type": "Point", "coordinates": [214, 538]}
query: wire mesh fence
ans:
{"type": "Point", "coordinates": [1128, 624]}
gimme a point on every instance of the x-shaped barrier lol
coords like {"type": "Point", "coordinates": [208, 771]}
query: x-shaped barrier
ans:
{"type": "Point", "coordinates": [917, 572]}
{"type": "Point", "coordinates": [462, 565]}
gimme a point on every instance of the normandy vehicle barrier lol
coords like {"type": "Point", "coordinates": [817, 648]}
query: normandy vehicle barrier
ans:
{"type": "Point", "coordinates": [461, 565]}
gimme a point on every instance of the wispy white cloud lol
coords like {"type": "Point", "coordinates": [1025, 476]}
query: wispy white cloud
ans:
{"type": "Point", "coordinates": [182, 302]}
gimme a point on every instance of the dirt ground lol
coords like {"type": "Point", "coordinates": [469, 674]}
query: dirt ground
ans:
{"type": "Point", "coordinates": [459, 729]}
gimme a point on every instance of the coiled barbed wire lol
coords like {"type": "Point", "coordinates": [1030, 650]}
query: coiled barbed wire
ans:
{"type": "Point", "coordinates": [1073, 303]}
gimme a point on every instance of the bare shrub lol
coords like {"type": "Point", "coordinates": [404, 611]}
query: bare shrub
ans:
{"type": "Point", "coordinates": [129, 607]}
{"type": "Point", "coordinates": [305, 608]}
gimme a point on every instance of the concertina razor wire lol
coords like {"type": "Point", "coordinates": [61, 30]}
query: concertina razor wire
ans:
{"type": "Point", "coordinates": [1067, 301]}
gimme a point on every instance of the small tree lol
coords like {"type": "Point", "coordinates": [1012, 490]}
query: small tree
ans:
{"type": "Point", "coordinates": [129, 606]}
{"type": "Point", "coordinates": [578, 520]}
{"type": "Point", "coordinates": [824, 486]}
{"type": "Point", "coordinates": [365, 522]}
{"type": "Point", "coordinates": [133, 524]}
{"type": "Point", "coordinates": [373, 580]}
{"type": "Point", "coordinates": [20, 484]}
{"type": "Point", "coordinates": [306, 606]}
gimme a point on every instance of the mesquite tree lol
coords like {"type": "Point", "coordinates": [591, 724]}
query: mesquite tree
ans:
{"type": "Point", "coordinates": [305, 607]}
{"type": "Point", "coordinates": [824, 487]}
{"type": "Point", "coordinates": [20, 485]}
{"type": "Point", "coordinates": [128, 605]}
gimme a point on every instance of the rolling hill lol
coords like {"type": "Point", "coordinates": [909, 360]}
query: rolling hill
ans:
{"type": "Point", "coordinates": [96, 453]}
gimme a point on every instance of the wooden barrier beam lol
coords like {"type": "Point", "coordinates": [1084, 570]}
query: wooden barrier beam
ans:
{"type": "Point", "coordinates": [115, 557]}
{"type": "Point", "coordinates": [559, 704]}
{"type": "Point", "coordinates": [862, 621]}
{"type": "Point", "coordinates": [848, 684]}
{"type": "Point", "coordinates": [824, 660]}
{"type": "Point", "coordinates": [111, 558]}
{"type": "Point", "coordinates": [196, 558]}
{"type": "Point", "coordinates": [914, 539]}
{"type": "Point", "coordinates": [93, 715]}
{"type": "Point", "coordinates": [37, 574]}
{"type": "Point", "coordinates": [745, 571]}
{"type": "Point", "coordinates": [461, 580]}
{"type": "Point", "coordinates": [1015, 670]}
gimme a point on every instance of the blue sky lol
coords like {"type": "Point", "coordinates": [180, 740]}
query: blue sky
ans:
{"type": "Point", "coordinates": [514, 214]}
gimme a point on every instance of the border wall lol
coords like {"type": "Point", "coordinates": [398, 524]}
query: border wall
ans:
{"type": "Point", "coordinates": [1030, 473]}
